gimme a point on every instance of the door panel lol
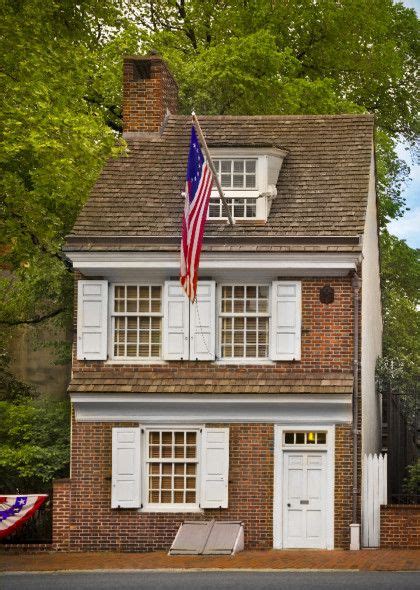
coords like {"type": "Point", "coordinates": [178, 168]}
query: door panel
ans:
{"type": "Point", "coordinates": [304, 499]}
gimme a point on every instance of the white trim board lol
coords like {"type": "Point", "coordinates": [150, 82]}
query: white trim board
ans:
{"type": "Point", "coordinates": [284, 262]}
{"type": "Point", "coordinates": [278, 477]}
{"type": "Point", "coordinates": [171, 408]}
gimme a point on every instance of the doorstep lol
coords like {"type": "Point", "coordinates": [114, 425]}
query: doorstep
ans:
{"type": "Point", "coordinates": [364, 560]}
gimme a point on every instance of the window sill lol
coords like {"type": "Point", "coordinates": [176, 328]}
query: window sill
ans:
{"type": "Point", "coordinates": [244, 362]}
{"type": "Point", "coordinates": [135, 361]}
{"type": "Point", "coordinates": [172, 509]}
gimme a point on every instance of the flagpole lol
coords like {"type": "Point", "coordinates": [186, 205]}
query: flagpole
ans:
{"type": "Point", "coordinates": [212, 168]}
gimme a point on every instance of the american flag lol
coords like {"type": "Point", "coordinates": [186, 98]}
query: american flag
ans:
{"type": "Point", "coordinates": [198, 186]}
{"type": "Point", "coordinates": [15, 510]}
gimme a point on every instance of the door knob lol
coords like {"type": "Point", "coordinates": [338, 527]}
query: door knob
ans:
{"type": "Point", "coordinates": [288, 505]}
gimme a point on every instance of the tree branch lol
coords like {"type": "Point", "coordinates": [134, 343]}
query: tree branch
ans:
{"type": "Point", "coordinates": [37, 242]}
{"type": "Point", "coordinates": [36, 320]}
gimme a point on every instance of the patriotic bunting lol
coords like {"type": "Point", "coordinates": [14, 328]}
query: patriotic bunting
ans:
{"type": "Point", "coordinates": [15, 510]}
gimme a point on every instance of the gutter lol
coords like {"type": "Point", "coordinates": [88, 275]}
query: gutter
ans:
{"type": "Point", "coordinates": [355, 526]}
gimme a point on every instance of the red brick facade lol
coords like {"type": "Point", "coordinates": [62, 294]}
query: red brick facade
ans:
{"type": "Point", "coordinates": [149, 89]}
{"type": "Point", "coordinates": [61, 514]}
{"type": "Point", "coordinates": [88, 523]}
{"type": "Point", "coordinates": [400, 526]}
{"type": "Point", "coordinates": [327, 337]}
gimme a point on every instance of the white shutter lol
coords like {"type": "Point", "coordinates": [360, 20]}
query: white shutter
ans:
{"type": "Point", "coordinates": [214, 467]}
{"type": "Point", "coordinates": [92, 320]}
{"type": "Point", "coordinates": [126, 468]}
{"type": "Point", "coordinates": [176, 322]}
{"type": "Point", "coordinates": [286, 320]}
{"type": "Point", "coordinates": [202, 323]}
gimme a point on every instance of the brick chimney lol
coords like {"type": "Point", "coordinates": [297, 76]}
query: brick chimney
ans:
{"type": "Point", "coordinates": [148, 91]}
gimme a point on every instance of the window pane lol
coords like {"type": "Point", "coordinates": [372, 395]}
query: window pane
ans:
{"type": "Point", "coordinates": [250, 181]}
{"type": "Point", "coordinates": [226, 165]}
{"type": "Point", "coordinates": [238, 181]}
{"type": "Point", "coordinates": [251, 208]}
{"type": "Point", "coordinates": [251, 305]}
{"type": "Point", "coordinates": [225, 180]}
{"type": "Point", "coordinates": [131, 292]}
{"type": "Point", "coordinates": [131, 305]}
{"type": "Point", "coordinates": [251, 166]}
{"type": "Point", "coordinates": [239, 209]}
{"type": "Point", "coordinates": [300, 438]}
{"type": "Point", "coordinates": [322, 438]}
{"type": "Point", "coordinates": [238, 166]}
{"type": "Point", "coordinates": [289, 438]}
{"type": "Point", "coordinates": [119, 306]}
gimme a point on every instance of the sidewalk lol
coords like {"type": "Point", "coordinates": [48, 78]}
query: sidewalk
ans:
{"type": "Point", "coordinates": [368, 559]}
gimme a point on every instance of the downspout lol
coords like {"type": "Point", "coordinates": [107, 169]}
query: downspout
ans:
{"type": "Point", "coordinates": [355, 527]}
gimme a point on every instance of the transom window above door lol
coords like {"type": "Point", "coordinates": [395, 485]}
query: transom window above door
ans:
{"type": "Point", "coordinates": [305, 438]}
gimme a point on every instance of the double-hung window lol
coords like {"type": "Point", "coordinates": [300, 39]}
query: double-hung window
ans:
{"type": "Point", "coordinates": [171, 467]}
{"type": "Point", "coordinates": [244, 321]}
{"type": "Point", "coordinates": [136, 321]}
{"type": "Point", "coordinates": [238, 178]}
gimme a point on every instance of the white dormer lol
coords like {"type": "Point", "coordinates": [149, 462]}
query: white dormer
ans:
{"type": "Point", "coordinates": [248, 177]}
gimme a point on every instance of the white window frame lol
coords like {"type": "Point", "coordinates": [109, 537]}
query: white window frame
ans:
{"type": "Point", "coordinates": [157, 507]}
{"type": "Point", "coordinates": [113, 315]}
{"type": "Point", "coordinates": [220, 315]}
{"type": "Point", "coordinates": [239, 194]}
{"type": "Point", "coordinates": [232, 172]}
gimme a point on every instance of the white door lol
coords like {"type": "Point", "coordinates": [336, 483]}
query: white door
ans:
{"type": "Point", "coordinates": [304, 499]}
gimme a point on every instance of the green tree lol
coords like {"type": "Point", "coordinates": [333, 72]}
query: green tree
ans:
{"type": "Point", "coordinates": [34, 436]}
{"type": "Point", "coordinates": [60, 75]}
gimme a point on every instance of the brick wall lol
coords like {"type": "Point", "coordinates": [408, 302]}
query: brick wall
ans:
{"type": "Point", "coordinates": [94, 526]}
{"type": "Point", "coordinates": [327, 337]}
{"type": "Point", "coordinates": [61, 514]}
{"type": "Point", "coordinates": [400, 526]}
{"type": "Point", "coordinates": [148, 90]}
{"type": "Point", "coordinates": [343, 485]}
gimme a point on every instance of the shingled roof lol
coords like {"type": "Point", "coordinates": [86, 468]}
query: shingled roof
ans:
{"type": "Point", "coordinates": [322, 186]}
{"type": "Point", "coordinates": [170, 379]}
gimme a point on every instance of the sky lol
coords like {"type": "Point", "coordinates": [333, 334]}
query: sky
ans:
{"type": "Point", "coordinates": [408, 226]}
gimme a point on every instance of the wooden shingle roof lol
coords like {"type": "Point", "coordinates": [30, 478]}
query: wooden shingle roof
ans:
{"type": "Point", "coordinates": [214, 379]}
{"type": "Point", "coordinates": [322, 186]}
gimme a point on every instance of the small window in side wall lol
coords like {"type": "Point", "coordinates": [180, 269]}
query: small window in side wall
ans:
{"type": "Point", "coordinates": [136, 321]}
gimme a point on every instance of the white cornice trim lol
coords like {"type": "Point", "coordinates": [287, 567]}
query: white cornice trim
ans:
{"type": "Point", "coordinates": [215, 260]}
{"type": "Point", "coordinates": [324, 408]}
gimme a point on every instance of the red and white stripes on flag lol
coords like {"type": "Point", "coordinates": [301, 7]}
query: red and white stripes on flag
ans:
{"type": "Point", "coordinates": [198, 185]}
{"type": "Point", "coordinates": [15, 510]}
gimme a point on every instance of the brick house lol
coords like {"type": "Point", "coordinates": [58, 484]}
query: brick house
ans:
{"type": "Point", "coordinates": [241, 405]}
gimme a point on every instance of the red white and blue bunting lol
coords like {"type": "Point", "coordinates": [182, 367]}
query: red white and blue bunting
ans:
{"type": "Point", "coordinates": [15, 510]}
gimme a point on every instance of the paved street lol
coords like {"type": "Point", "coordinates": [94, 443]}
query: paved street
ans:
{"type": "Point", "coordinates": [213, 581]}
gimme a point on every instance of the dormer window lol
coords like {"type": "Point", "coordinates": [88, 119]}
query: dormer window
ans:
{"type": "Point", "coordinates": [237, 174]}
{"type": "Point", "coordinates": [248, 177]}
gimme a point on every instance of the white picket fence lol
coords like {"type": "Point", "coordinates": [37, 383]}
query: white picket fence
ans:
{"type": "Point", "coordinates": [374, 494]}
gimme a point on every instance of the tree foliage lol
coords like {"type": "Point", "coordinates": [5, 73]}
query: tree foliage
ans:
{"type": "Point", "coordinates": [60, 75]}
{"type": "Point", "coordinates": [34, 436]}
